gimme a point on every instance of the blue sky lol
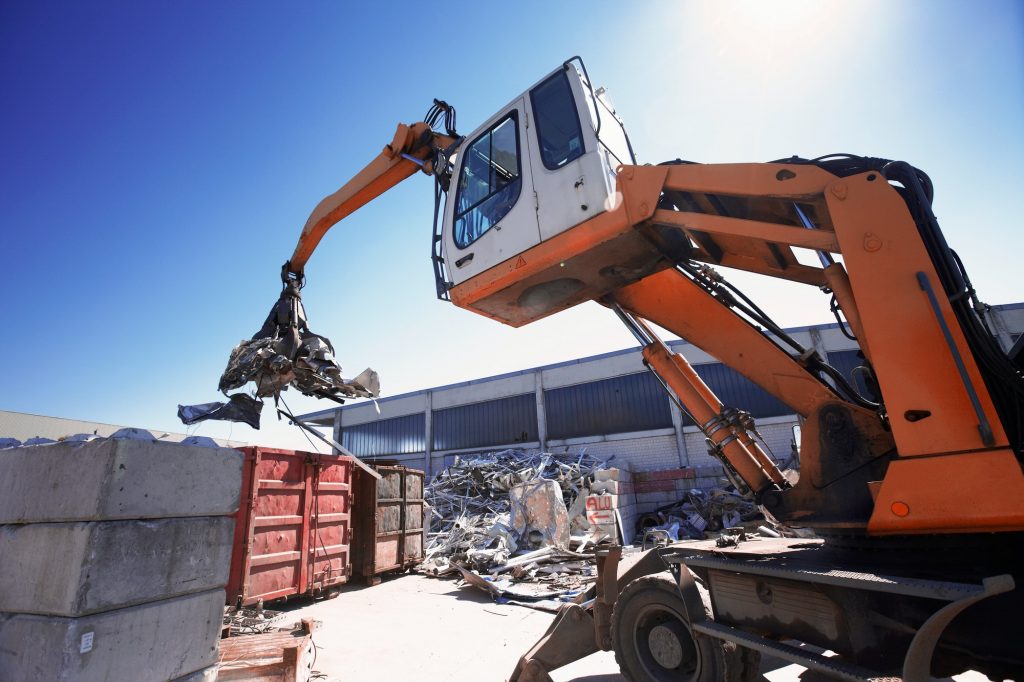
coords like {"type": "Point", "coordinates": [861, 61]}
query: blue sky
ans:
{"type": "Point", "coordinates": [159, 160]}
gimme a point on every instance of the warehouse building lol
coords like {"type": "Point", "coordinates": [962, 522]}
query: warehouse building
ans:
{"type": "Point", "coordinates": [609, 405]}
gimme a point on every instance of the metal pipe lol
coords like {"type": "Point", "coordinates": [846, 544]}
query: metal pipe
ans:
{"type": "Point", "coordinates": [823, 256]}
{"type": "Point", "coordinates": [632, 325]}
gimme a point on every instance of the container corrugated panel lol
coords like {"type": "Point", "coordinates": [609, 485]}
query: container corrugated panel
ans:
{"type": "Point", "coordinates": [735, 390]}
{"type": "Point", "coordinates": [389, 517]}
{"type": "Point", "coordinates": [634, 402]}
{"type": "Point", "coordinates": [396, 436]}
{"type": "Point", "coordinates": [293, 527]}
{"type": "Point", "coordinates": [493, 422]}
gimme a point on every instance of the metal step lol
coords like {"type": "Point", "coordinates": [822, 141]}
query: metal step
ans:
{"type": "Point", "coordinates": [829, 666]}
{"type": "Point", "coordinates": [808, 572]}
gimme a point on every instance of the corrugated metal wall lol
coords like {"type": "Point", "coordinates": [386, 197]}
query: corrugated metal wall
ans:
{"type": "Point", "coordinates": [735, 390]}
{"type": "Point", "coordinates": [634, 402]}
{"type": "Point", "coordinates": [493, 422]}
{"type": "Point", "coordinates": [395, 436]}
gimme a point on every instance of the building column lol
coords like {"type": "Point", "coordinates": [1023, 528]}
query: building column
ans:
{"type": "Point", "coordinates": [818, 343]}
{"type": "Point", "coordinates": [337, 430]}
{"type": "Point", "coordinates": [542, 415]}
{"type": "Point", "coordinates": [428, 441]}
{"type": "Point", "coordinates": [677, 425]}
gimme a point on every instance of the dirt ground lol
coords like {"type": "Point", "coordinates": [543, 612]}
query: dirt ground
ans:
{"type": "Point", "coordinates": [415, 627]}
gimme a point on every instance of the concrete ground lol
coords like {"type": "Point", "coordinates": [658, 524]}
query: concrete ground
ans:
{"type": "Point", "coordinates": [415, 627]}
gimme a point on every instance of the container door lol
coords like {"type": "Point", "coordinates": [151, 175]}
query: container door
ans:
{"type": "Point", "coordinates": [390, 513]}
{"type": "Point", "coordinates": [491, 214]}
{"type": "Point", "coordinates": [412, 484]}
{"type": "Point", "coordinates": [277, 526]}
{"type": "Point", "coordinates": [330, 522]}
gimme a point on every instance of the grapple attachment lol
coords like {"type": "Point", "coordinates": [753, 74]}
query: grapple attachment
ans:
{"type": "Point", "coordinates": [285, 352]}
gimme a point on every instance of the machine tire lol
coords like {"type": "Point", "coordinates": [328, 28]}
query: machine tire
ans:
{"type": "Point", "coordinates": [651, 611]}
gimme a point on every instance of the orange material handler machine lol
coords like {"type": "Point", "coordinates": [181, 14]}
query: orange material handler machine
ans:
{"type": "Point", "coordinates": [914, 486]}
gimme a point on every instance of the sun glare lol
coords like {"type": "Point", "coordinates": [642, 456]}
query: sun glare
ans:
{"type": "Point", "coordinates": [769, 30]}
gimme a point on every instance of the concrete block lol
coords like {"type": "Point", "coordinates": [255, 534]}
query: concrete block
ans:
{"type": "Point", "coordinates": [612, 475]}
{"type": "Point", "coordinates": [152, 642]}
{"type": "Point", "coordinates": [607, 501]}
{"type": "Point", "coordinates": [204, 675]}
{"type": "Point", "coordinates": [628, 510]}
{"type": "Point", "coordinates": [601, 517]}
{"type": "Point", "coordinates": [72, 569]}
{"type": "Point", "coordinates": [117, 479]}
{"type": "Point", "coordinates": [612, 487]}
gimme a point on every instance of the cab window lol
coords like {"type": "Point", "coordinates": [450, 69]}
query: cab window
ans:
{"type": "Point", "coordinates": [489, 181]}
{"type": "Point", "coordinates": [558, 123]}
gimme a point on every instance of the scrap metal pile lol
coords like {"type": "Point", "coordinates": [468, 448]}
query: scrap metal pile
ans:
{"type": "Point", "coordinates": [700, 514]}
{"type": "Point", "coordinates": [517, 524]}
{"type": "Point", "coordinates": [516, 516]}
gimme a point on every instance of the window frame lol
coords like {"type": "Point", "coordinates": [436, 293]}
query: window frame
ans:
{"type": "Point", "coordinates": [512, 115]}
{"type": "Point", "coordinates": [576, 115]}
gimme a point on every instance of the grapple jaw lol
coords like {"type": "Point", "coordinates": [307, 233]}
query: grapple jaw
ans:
{"type": "Point", "coordinates": [285, 352]}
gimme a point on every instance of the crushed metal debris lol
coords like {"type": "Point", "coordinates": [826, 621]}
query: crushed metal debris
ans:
{"type": "Point", "coordinates": [700, 512]}
{"type": "Point", "coordinates": [240, 408]}
{"type": "Point", "coordinates": [240, 620]}
{"type": "Point", "coordinates": [284, 352]}
{"type": "Point", "coordinates": [515, 516]}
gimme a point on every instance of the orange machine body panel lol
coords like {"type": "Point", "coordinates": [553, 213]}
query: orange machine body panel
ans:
{"type": "Point", "coordinates": [581, 264]}
{"type": "Point", "coordinates": [883, 252]}
{"type": "Point", "coordinates": [862, 218]}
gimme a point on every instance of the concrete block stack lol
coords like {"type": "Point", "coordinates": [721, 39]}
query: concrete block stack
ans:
{"type": "Point", "coordinates": [113, 558]}
{"type": "Point", "coordinates": [611, 505]}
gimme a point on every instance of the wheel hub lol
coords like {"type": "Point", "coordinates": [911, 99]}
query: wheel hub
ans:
{"type": "Point", "coordinates": [665, 647]}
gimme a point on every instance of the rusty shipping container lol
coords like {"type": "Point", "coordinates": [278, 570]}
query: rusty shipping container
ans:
{"type": "Point", "coordinates": [388, 524]}
{"type": "Point", "coordinates": [293, 527]}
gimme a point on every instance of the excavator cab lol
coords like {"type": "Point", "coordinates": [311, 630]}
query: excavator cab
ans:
{"type": "Point", "coordinates": [542, 165]}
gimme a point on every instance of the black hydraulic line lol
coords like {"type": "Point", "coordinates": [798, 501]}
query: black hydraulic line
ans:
{"type": "Point", "coordinates": [834, 305]}
{"type": "Point", "coordinates": [437, 260]}
{"type": "Point", "coordinates": [748, 307]}
{"type": "Point", "coordinates": [935, 242]}
{"type": "Point", "coordinates": [814, 362]}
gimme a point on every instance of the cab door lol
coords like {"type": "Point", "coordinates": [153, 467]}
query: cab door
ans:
{"type": "Point", "coordinates": [569, 176]}
{"type": "Point", "coordinates": [491, 212]}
